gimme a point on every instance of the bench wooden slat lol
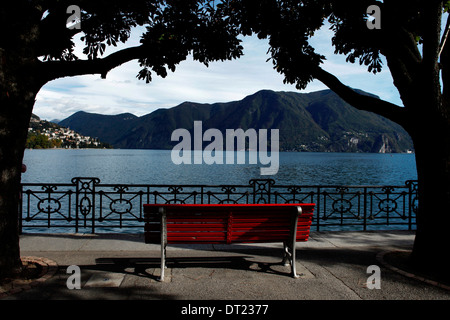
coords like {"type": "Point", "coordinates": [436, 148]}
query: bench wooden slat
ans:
{"type": "Point", "coordinates": [196, 227]}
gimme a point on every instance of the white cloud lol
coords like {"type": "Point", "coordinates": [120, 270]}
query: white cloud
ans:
{"type": "Point", "coordinates": [121, 91]}
{"type": "Point", "coordinates": [225, 81]}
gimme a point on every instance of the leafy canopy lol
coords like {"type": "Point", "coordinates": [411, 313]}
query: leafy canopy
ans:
{"type": "Point", "coordinates": [172, 29]}
{"type": "Point", "coordinates": [290, 24]}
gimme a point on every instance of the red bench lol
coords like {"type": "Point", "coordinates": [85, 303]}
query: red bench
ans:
{"type": "Point", "coordinates": [228, 223]}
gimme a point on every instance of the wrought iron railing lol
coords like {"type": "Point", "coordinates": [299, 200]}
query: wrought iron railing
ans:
{"type": "Point", "coordinates": [86, 205]}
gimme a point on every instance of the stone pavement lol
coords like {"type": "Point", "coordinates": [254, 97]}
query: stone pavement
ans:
{"type": "Point", "coordinates": [332, 266]}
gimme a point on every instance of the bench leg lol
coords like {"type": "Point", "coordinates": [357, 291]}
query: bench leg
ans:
{"type": "Point", "coordinates": [289, 245]}
{"type": "Point", "coordinates": [163, 242]}
{"type": "Point", "coordinates": [163, 261]}
{"type": "Point", "coordinates": [289, 258]}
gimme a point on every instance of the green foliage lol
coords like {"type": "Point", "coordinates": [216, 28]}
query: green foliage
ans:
{"type": "Point", "coordinates": [38, 141]}
{"type": "Point", "coordinates": [447, 6]}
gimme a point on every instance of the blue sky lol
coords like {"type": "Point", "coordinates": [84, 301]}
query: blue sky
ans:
{"type": "Point", "coordinates": [225, 81]}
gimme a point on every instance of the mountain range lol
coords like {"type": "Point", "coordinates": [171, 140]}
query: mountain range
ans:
{"type": "Point", "coordinates": [319, 121]}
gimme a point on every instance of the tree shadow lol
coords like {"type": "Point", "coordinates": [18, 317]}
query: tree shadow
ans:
{"type": "Point", "coordinates": [403, 262]}
{"type": "Point", "coordinates": [145, 281]}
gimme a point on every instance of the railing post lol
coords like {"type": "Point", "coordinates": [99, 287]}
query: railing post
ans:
{"type": "Point", "coordinates": [318, 206]}
{"type": "Point", "coordinates": [412, 198]}
{"type": "Point", "coordinates": [365, 209]}
{"type": "Point", "coordinates": [85, 200]}
{"type": "Point", "coordinates": [262, 189]}
{"type": "Point", "coordinates": [202, 193]}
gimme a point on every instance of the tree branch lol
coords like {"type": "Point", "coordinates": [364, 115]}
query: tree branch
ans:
{"type": "Point", "coordinates": [403, 59]}
{"type": "Point", "coordinates": [52, 70]}
{"type": "Point", "coordinates": [361, 101]}
{"type": "Point", "coordinates": [445, 73]}
{"type": "Point", "coordinates": [444, 37]}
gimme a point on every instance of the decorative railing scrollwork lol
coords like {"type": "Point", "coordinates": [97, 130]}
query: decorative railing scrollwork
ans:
{"type": "Point", "coordinates": [87, 205]}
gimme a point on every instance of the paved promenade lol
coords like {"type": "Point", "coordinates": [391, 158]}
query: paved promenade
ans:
{"type": "Point", "coordinates": [332, 266]}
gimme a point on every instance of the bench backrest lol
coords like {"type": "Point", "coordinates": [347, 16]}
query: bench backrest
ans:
{"type": "Point", "coordinates": [227, 223]}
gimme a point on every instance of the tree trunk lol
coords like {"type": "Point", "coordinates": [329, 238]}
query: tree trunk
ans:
{"type": "Point", "coordinates": [18, 91]}
{"type": "Point", "coordinates": [431, 138]}
{"type": "Point", "coordinates": [12, 143]}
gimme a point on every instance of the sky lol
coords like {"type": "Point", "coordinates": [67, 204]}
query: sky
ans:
{"type": "Point", "coordinates": [192, 81]}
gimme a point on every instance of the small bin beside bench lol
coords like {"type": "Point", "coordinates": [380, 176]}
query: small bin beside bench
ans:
{"type": "Point", "coordinates": [227, 224]}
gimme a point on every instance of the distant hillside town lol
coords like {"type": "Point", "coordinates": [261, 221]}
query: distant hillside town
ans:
{"type": "Point", "coordinates": [44, 134]}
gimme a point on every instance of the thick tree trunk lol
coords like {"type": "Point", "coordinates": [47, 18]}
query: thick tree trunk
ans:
{"type": "Point", "coordinates": [11, 154]}
{"type": "Point", "coordinates": [432, 146]}
{"type": "Point", "coordinates": [18, 89]}
{"type": "Point", "coordinates": [12, 142]}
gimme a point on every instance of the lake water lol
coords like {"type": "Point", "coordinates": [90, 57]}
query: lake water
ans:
{"type": "Point", "coordinates": [156, 167]}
